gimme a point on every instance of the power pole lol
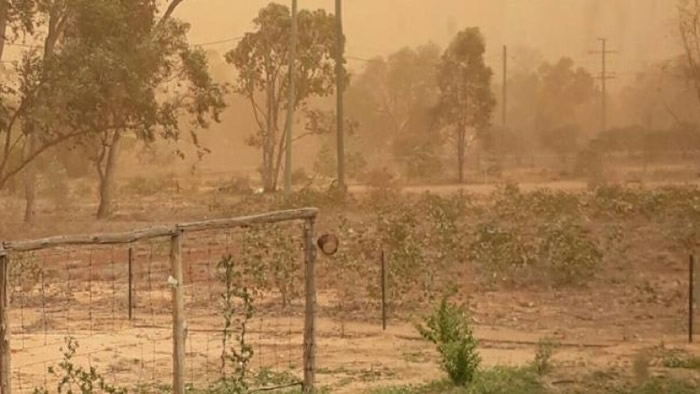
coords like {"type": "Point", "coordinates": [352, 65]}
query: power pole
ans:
{"type": "Point", "coordinates": [604, 77]}
{"type": "Point", "coordinates": [505, 85]}
{"type": "Point", "coordinates": [340, 90]}
{"type": "Point", "coordinates": [290, 102]}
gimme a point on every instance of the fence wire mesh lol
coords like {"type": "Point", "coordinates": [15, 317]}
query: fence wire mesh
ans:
{"type": "Point", "coordinates": [115, 303]}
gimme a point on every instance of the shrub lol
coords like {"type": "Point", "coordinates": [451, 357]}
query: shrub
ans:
{"type": "Point", "coordinates": [543, 356]}
{"type": "Point", "coordinates": [500, 250]}
{"type": "Point", "coordinates": [568, 252]}
{"type": "Point", "coordinates": [506, 380]}
{"type": "Point", "coordinates": [449, 329]}
{"type": "Point", "coordinates": [237, 185]}
{"type": "Point", "coordinates": [240, 353]}
{"type": "Point", "coordinates": [71, 376]}
{"type": "Point", "coordinates": [143, 186]}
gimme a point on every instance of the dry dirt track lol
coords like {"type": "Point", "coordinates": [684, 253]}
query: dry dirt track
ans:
{"type": "Point", "coordinates": [363, 357]}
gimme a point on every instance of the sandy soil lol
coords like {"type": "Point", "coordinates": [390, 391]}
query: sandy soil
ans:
{"type": "Point", "coordinates": [605, 325]}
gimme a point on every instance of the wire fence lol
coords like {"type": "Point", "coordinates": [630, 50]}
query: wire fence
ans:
{"type": "Point", "coordinates": [119, 304]}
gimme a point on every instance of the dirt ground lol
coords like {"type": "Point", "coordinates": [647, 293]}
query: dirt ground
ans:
{"type": "Point", "coordinates": [608, 325]}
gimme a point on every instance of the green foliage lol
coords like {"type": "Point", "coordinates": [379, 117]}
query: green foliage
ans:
{"type": "Point", "coordinates": [567, 252]}
{"type": "Point", "coordinates": [404, 86]}
{"type": "Point", "coordinates": [272, 260]}
{"type": "Point", "coordinates": [148, 186]}
{"type": "Point", "coordinates": [75, 379]}
{"type": "Point", "coordinates": [505, 380]}
{"type": "Point", "coordinates": [241, 353]}
{"type": "Point", "coordinates": [536, 235]}
{"type": "Point", "coordinates": [466, 99]}
{"type": "Point", "coordinates": [397, 234]}
{"type": "Point", "coordinates": [262, 61]}
{"type": "Point", "coordinates": [500, 251]}
{"type": "Point", "coordinates": [25, 272]}
{"type": "Point", "coordinates": [681, 360]}
{"type": "Point", "coordinates": [450, 330]}
{"type": "Point", "coordinates": [326, 163]}
{"type": "Point", "coordinates": [543, 356]}
{"type": "Point", "coordinates": [498, 380]}
{"type": "Point", "coordinates": [658, 385]}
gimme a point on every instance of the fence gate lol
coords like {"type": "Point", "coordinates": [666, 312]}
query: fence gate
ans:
{"type": "Point", "coordinates": [217, 302]}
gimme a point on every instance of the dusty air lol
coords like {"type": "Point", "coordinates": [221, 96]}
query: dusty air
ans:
{"type": "Point", "coordinates": [349, 196]}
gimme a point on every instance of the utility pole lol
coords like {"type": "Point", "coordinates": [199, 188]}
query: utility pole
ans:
{"type": "Point", "coordinates": [604, 77]}
{"type": "Point", "coordinates": [340, 90]}
{"type": "Point", "coordinates": [505, 85]}
{"type": "Point", "coordinates": [290, 102]}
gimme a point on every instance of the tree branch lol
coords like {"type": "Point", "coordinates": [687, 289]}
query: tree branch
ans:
{"type": "Point", "coordinates": [168, 13]}
{"type": "Point", "coordinates": [4, 177]}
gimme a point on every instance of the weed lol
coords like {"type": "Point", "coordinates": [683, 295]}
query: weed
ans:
{"type": "Point", "coordinates": [449, 329]}
{"type": "Point", "coordinates": [73, 378]}
{"type": "Point", "coordinates": [681, 360]}
{"type": "Point", "coordinates": [543, 356]}
{"type": "Point", "coordinates": [241, 354]}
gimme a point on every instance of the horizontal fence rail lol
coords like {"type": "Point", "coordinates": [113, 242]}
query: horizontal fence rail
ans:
{"type": "Point", "coordinates": [157, 232]}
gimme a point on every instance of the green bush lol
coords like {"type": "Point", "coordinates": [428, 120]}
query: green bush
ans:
{"type": "Point", "coordinates": [543, 356]}
{"type": "Point", "coordinates": [506, 380]}
{"type": "Point", "coordinates": [500, 250]}
{"type": "Point", "coordinates": [73, 378]}
{"type": "Point", "coordinates": [449, 328]}
{"type": "Point", "coordinates": [568, 253]}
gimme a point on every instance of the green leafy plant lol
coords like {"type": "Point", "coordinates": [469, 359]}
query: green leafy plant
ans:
{"type": "Point", "coordinates": [568, 252]}
{"type": "Point", "coordinates": [450, 330]}
{"type": "Point", "coordinates": [543, 356]}
{"type": "Point", "coordinates": [73, 378]}
{"type": "Point", "coordinates": [241, 353]}
{"type": "Point", "coordinates": [501, 251]}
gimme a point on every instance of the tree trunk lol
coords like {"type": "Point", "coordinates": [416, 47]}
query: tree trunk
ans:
{"type": "Point", "coordinates": [54, 34]}
{"type": "Point", "coordinates": [269, 141]}
{"type": "Point", "coordinates": [461, 137]}
{"type": "Point", "coordinates": [107, 182]}
{"type": "Point", "coordinates": [29, 181]}
{"type": "Point", "coordinates": [3, 24]}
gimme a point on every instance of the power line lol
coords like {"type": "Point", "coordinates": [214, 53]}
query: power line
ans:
{"type": "Point", "coordinates": [224, 41]}
{"type": "Point", "coordinates": [604, 77]}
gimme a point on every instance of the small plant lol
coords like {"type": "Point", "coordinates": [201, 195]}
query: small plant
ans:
{"type": "Point", "coordinates": [241, 353]}
{"type": "Point", "coordinates": [680, 360]}
{"type": "Point", "coordinates": [74, 379]}
{"type": "Point", "coordinates": [449, 328]}
{"type": "Point", "coordinates": [25, 273]}
{"type": "Point", "coordinates": [543, 356]}
{"type": "Point", "coordinates": [238, 185]}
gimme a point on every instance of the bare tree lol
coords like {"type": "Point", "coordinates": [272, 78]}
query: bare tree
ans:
{"type": "Point", "coordinates": [689, 27]}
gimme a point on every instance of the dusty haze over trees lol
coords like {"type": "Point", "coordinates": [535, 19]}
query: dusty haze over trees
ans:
{"type": "Point", "coordinates": [424, 91]}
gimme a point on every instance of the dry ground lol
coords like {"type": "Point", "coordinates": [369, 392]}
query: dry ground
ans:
{"type": "Point", "coordinates": [608, 325]}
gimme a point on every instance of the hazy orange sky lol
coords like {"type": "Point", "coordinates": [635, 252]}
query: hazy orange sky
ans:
{"type": "Point", "coordinates": [644, 31]}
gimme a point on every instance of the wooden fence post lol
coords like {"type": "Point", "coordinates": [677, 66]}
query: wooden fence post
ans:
{"type": "Point", "coordinates": [383, 284]}
{"type": "Point", "coordinates": [178, 297]}
{"type": "Point", "coordinates": [131, 283]}
{"type": "Point", "coordinates": [310, 313]}
{"type": "Point", "coordinates": [691, 297]}
{"type": "Point", "coordinates": [5, 370]}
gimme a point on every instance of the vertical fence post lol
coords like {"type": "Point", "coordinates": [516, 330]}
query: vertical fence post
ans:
{"type": "Point", "coordinates": [131, 282]}
{"type": "Point", "coordinates": [178, 297]}
{"type": "Point", "coordinates": [691, 296]}
{"type": "Point", "coordinates": [383, 282]}
{"type": "Point", "coordinates": [310, 313]}
{"type": "Point", "coordinates": [5, 370]}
